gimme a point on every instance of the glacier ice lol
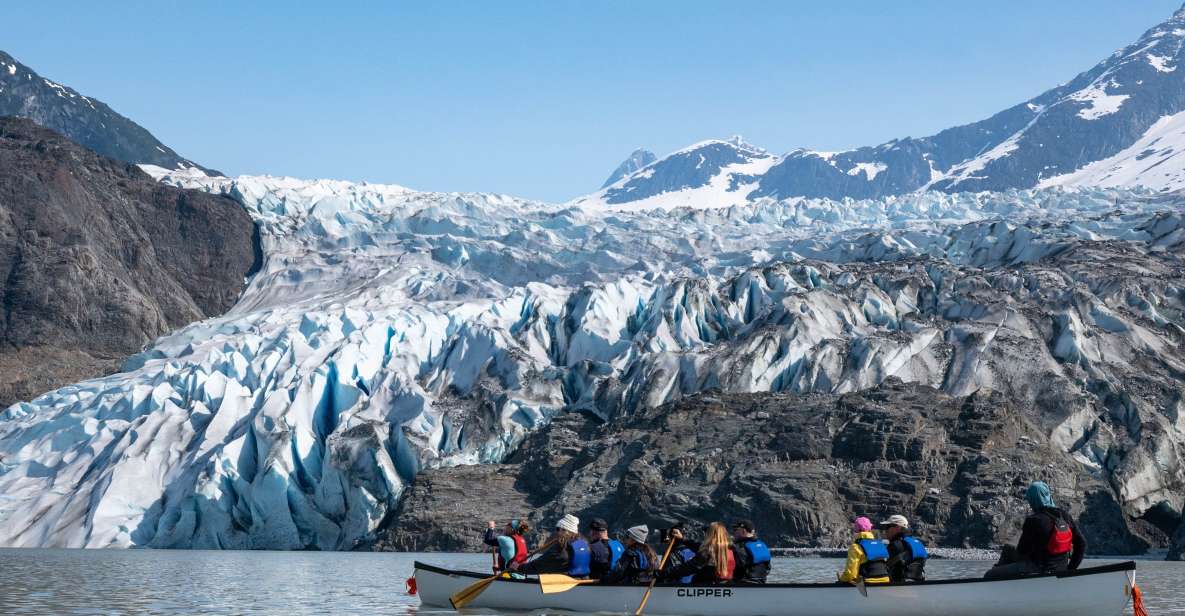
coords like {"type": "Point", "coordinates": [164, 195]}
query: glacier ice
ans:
{"type": "Point", "coordinates": [390, 330]}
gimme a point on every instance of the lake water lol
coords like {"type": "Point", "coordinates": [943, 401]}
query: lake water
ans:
{"type": "Point", "coordinates": [197, 582]}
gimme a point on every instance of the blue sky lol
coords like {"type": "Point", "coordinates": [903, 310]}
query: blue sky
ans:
{"type": "Point", "coordinates": [544, 99]}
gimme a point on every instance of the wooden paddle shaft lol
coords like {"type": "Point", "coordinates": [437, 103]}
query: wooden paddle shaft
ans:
{"type": "Point", "coordinates": [661, 564]}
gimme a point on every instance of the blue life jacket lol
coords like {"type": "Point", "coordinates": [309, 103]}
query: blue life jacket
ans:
{"type": "Point", "coordinates": [917, 549]}
{"type": "Point", "coordinates": [581, 558]}
{"type": "Point", "coordinates": [687, 554]}
{"type": "Point", "coordinates": [758, 551]}
{"type": "Point", "coordinates": [643, 562]}
{"type": "Point", "coordinates": [874, 549]}
{"type": "Point", "coordinates": [615, 552]}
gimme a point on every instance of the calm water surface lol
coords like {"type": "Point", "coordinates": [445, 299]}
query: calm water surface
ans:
{"type": "Point", "coordinates": [195, 582]}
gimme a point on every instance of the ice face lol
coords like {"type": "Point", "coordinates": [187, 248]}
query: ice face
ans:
{"type": "Point", "coordinates": [390, 330]}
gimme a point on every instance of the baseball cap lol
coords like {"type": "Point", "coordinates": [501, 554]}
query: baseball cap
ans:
{"type": "Point", "coordinates": [895, 520]}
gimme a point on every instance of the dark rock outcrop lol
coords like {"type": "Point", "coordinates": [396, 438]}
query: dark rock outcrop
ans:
{"type": "Point", "coordinates": [1177, 548]}
{"type": "Point", "coordinates": [799, 465]}
{"type": "Point", "coordinates": [97, 259]}
{"type": "Point", "coordinates": [84, 120]}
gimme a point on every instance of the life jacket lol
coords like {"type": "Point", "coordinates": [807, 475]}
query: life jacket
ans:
{"type": "Point", "coordinates": [687, 554]}
{"type": "Point", "coordinates": [615, 552]}
{"type": "Point", "coordinates": [643, 562]}
{"type": "Point", "coordinates": [917, 549]}
{"type": "Point", "coordinates": [758, 551]}
{"type": "Point", "coordinates": [876, 555]}
{"type": "Point", "coordinates": [520, 549]}
{"type": "Point", "coordinates": [731, 568]}
{"type": "Point", "coordinates": [581, 558]}
{"type": "Point", "coordinates": [1061, 540]}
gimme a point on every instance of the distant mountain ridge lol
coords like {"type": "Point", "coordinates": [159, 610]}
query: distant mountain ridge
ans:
{"type": "Point", "coordinates": [1121, 123]}
{"type": "Point", "coordinates": [638, 159]}
{"type": "Point", "coordinates": [82, 119]}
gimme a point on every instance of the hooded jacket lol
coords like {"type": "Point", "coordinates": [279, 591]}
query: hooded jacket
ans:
{"type": "Point", "coordinates": [857, 559]}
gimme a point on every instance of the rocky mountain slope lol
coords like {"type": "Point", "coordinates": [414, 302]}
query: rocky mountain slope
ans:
{"type": "Point", "coordinates": [97, 259]}
{"type": "Point", "coordinates": [391, 331]}
{"type": "Point", "coordinates": [1117, 124]}
{"type": "Point", "coordinates": [637, 159]}
{"type": "Point", "coordinates": [86, 121]}
{"type": "Point", "coordinates": [798, 465]}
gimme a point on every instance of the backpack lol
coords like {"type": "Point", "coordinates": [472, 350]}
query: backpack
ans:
{"type": "Point", "coordinates": [1061, 540]}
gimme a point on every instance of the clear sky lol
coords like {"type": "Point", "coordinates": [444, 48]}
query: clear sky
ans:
{"type": "Point", "coordinates": [544, 99]}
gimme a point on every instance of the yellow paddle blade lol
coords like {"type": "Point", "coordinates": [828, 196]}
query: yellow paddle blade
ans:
{"type": "Point", "coordinates": [551, 583]}
{"type": "Point", "coordinates": [463, 597]}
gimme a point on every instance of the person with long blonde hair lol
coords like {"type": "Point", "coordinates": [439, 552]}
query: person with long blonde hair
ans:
{"type": "Point", "coordinates": [714, 562]}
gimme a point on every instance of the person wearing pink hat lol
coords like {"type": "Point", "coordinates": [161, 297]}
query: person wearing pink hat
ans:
{"type": "Point", "coordinates": [868, 557]}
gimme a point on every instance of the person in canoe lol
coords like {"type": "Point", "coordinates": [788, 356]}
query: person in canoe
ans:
{"type": "Point", "coordinates": [868, 557]}
{"type": "Point", "coordinates": [606, 552]}
{"type": "Point", "coordinates": [511, 544]}
{"type": "Point", "coordinates": [566, 552]}
{"type": "Point", "coordinates": [1049, 540]}
{"type": "Point", "coordinates": [714, 562]}
{"type": "Point", "coordinates": [682, 551]}
{"type": "Point", "coordinates": [907, 554]}
{"type": "Point", "coordinates": [639, 562]}
{"type": "Point", "coordinates": [753, 558]}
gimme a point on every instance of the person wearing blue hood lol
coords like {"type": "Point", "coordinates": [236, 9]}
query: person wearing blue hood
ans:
{"type": "Point", "coordinates": [1049, 541]}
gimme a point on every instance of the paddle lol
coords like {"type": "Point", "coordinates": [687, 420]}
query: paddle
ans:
{"type": "Point", "coordinates": [551, 583]}
{"type": "Point", "coordinates": [861, 587]}
{"type": "Point", "coordinates": [466, 595]}
{"type": "Point", "coordinates": [661, 564]}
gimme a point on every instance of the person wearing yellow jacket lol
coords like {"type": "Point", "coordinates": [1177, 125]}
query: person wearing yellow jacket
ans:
{"type": "Point", "coordinates": [868, 557]}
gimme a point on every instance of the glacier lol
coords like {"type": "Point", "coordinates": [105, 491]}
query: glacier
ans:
{"type": "Point", "coordinates": [391, 330]}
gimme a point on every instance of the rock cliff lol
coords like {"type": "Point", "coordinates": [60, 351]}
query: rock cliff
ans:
{"type": "Point", "coordinates": [800, 466]}
{"type": "Point", "coordinates": [97, 259]}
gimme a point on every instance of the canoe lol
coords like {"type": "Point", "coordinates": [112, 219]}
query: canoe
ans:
{"type": "Point", "coordinates": [1092, 591]}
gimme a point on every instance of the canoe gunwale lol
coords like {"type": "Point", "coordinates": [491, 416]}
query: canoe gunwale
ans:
{"type": "Point", "coordinates": [1097, 570]}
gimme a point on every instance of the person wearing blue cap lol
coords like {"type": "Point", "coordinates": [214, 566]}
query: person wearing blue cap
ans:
{"type": "Point", "coordinates": [1049, 540]}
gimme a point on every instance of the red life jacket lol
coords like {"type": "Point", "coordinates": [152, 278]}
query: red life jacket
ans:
{"type": "Point", "coordinates": [520, 549]}
{"type": "Point", "coordinates": [732, 565]}
{"type": "Point", "coordinates": [1061, 540]}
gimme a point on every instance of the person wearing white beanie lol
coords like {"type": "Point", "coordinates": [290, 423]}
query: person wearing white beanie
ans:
{"type": "Point", "coordinates": [569, 523]}
{"type": "Point", "coordinates": [567, 552]}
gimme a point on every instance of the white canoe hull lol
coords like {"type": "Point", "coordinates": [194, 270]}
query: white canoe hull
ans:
{"type": "Point", "coordinates": [1097, 591]}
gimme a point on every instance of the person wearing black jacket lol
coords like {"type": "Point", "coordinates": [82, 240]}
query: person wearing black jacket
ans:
{"type": "Point", "coordinates": [605, 552]}
{"type": "Point", "coordinates": [713, 563]}
{"type": "Point", "coordinates": [639, 562]}
{"type": "Point", "coordinates": [907, 554]}
{"type": "Point", "coordinates": [752, 555]}
{"type": "Point", "coordinates": [682, 552]}
{"type": "Point", "coordinates": [566, 552]}
{"type": "Point", "coordinates": [1049, 540]}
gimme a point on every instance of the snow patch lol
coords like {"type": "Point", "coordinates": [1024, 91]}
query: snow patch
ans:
{"type": "Point", "coordinates": [1161, 63]}
{"type": "Point", "coordinates": [1156, 160]}
{"type": "Point", "coordinates": [1099, 102]}
{"type": "Point", "coordinates": [870, 170]}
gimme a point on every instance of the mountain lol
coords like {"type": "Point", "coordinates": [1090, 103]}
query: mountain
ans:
{"type": "Point", "coordinates": [929, 350]}
{"type": "Point", "coordinates": [97, 259]}
{"type": "Point", "coordinates": [1118, 124]}
{"type": "Point", "coordinates": [84, 120]}
{"type": "Point", "coordinates": [638, 159]}
{"type": "Point", "coordinates": [711, 173]}
{"type": "Point", "coordinates": [390, 332]}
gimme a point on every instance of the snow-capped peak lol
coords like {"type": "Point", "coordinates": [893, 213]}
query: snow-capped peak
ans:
{"type": "Point", "coordinates": [711, 173]}
{"type": "Point", "coordinates": [1097, 116]}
